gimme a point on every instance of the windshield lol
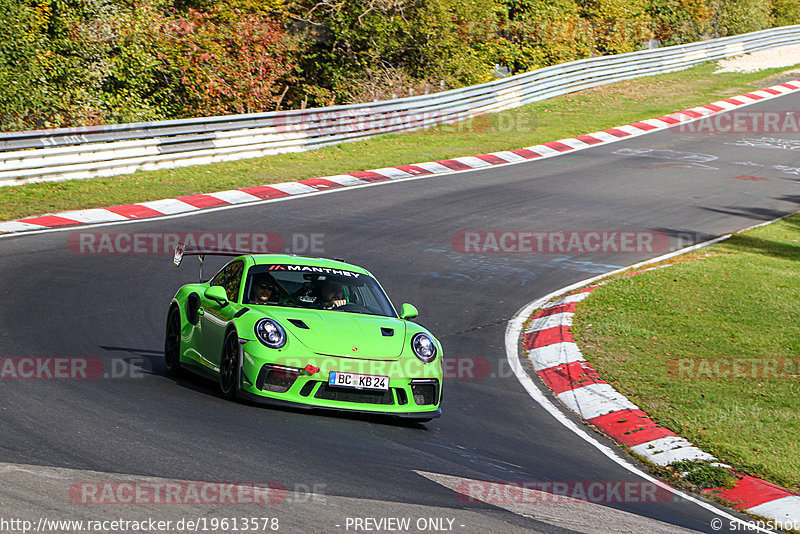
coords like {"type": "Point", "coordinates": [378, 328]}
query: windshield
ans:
{"type": "Point", "coordinates": [319, 288]}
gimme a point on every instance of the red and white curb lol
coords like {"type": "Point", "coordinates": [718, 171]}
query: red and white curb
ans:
{"type": "Point", "coordinates": [247, 195]}
{"type": "Point", "coordinates": [556, 359]}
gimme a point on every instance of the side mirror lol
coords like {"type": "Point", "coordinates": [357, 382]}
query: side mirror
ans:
{"type": "Point", "coordinates": [408, 311]}
{"type": "Point", "coordinates": [217, 294]}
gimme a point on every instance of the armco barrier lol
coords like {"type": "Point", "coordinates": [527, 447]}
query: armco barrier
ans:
{"type": "Point", "coordinates": [72, 153]}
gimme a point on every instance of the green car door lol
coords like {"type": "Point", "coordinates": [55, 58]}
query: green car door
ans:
{"type": "Point", "coordinates": [219, 303]}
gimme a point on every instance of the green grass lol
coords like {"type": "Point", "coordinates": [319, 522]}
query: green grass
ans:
{"type": "Point", "coordinates": [553, 119]}
{"type": "Point", "coordinates": [740, 299]}
{"type": "Point", "coordinates": [703, 475]}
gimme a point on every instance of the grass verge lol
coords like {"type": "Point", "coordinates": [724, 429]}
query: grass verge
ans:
{"type": "Point", "coordinates": [566, 116]}
{"type": "Point", "coordinates": [711, 348]}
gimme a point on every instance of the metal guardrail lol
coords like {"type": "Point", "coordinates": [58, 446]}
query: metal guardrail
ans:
{"type": "Point", "coordinates": [72, 153]}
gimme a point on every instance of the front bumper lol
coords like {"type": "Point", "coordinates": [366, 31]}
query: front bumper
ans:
{"type": "Point", "coordinates": [414, 389]}
{"type": "Point", "coordinates": [271, 401]}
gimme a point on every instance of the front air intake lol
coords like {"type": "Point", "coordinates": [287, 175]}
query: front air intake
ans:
{"type": "Point", "coordinates": [425, 392]}
{"type": "Point", "coordinates": [276, 378]}
{"type": "Point", "coordinates": [325, 392]}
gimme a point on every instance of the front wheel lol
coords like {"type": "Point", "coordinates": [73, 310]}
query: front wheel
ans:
{"type": "Point", "coordinates": [172, 343]}
{"type": "Point", "coordinates": [229, 366]}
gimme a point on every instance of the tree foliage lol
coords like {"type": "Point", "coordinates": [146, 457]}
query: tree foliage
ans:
{"type": "Point", "coordinates": [356, 44]}
{"type": "Point", "coordinates": [619, 25]}
{"type": "Point", "coordinates": [680, 21]}
{"type": "Point", "coordinates": [539, 33]}
{"type": "Point", "coordinates": [71, 63]}
{"type": "Point", "coordinates": [741, 16]}
{"type": "Point", "coordinates": [84, 62]}
{"type": "Point", "coordinates": [785, 12]}
{"type": "Point", "coordinates": [228, 65]}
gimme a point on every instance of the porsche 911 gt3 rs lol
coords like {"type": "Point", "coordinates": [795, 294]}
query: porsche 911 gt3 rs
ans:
{"type": "Point", "coordinates": [305, 332]}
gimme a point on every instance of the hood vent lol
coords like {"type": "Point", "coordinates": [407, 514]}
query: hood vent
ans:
{"type": "Point", "coordinates": [298, 323]}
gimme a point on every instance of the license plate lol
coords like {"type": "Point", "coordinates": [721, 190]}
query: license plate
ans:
{"type": "Point", "coordinates": [356, 381]}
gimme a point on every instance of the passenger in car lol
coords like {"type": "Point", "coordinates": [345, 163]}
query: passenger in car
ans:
{"type": "Point", "coordinates": [331, 294]}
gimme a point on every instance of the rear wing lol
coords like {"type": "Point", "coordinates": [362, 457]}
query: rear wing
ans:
{"type": "Point", "coordinates": [181, 251]}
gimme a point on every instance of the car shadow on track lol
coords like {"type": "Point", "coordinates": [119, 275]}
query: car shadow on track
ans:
{"type": "Point", "coordinates": [152, 362]}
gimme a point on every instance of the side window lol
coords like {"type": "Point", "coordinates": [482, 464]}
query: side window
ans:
{"type": "Point", "coordinates": [233, 279]}
{"type": "Point", "coordinates": [219, 278]}
{"type": "Point", "coordinates": [230, 278]}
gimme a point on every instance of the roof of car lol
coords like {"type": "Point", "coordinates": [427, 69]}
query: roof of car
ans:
{"type": "Point", "coordinates": [290, 259]}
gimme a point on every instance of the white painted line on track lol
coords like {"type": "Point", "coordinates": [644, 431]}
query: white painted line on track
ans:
{"type": "Point", "coordinates": [15, 227]}
{"type": "Point", "coordinates": [345, 179]}
{"type": "Point", "coordinates": [543, 150]}
{"type": "Point", "coordinates": [169, 206]}
{"type": "Point", "coordinates": [573, 514]}
{"type": "Point", "coordinates": [550, 321]}
{"type": "Point", "coordinates": [788, 507]}
{"type": "Point", "coordinates": [294, 188]}
{"type": "Point", "coordinates": [392, 173]}
{"type": "Point", "coordinates": [555, 355]}
{"type": "Point", "coordinates": [92, 215]}
{"type": "Point", "coordinates": [436, 168]}
{"type": "Point", "coordinates": [508, 156]}
{"type": "Point", "coordinates": [234, 196]}
{"type": "Point", "coordinates": [594, 400]}
{"type": "Point", "coordinates": [670, 449]}
{"type": "Point", "coordinates": [569, 299]}
{"type": "Point", "coordinates": [172, 208]}
{"type": "Point", "coordinates": [472, 161]}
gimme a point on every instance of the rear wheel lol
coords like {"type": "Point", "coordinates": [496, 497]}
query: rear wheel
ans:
{"type": "Point", "coordinates": [229, 366]}
{"type": "Point", "coordinates": [172, 343]}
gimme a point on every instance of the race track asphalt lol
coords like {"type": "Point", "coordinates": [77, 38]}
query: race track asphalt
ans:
{"type": "Point", "coordinates": [60, 303]}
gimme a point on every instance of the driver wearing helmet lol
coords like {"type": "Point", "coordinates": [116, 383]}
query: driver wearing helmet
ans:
{"type": "Point", "coordinates": [264, 289]}
{"type": "Point", "coordinates": [330, 294]}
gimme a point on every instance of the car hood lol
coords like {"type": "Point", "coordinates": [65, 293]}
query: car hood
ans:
{"type": "Point", "coordinates": [340, 333]}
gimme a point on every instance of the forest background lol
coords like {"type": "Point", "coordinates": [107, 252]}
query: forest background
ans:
{"type": "Point", "coordinates": [67, 63]}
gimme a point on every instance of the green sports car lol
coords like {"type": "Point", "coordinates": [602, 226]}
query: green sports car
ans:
{"type": "Point", "coordinates": [305, 332]}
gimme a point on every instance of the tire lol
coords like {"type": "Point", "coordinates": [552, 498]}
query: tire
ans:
{"type": "Point", "coordinates": [229, 366]}
{"type": "Point", "coordinates": [172, 343]}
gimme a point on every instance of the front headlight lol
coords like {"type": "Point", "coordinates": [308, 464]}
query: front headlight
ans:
{"type": "Point", "coordinates": [270, 333]}
{"type": "Point", "coordinates": [423, 346]}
